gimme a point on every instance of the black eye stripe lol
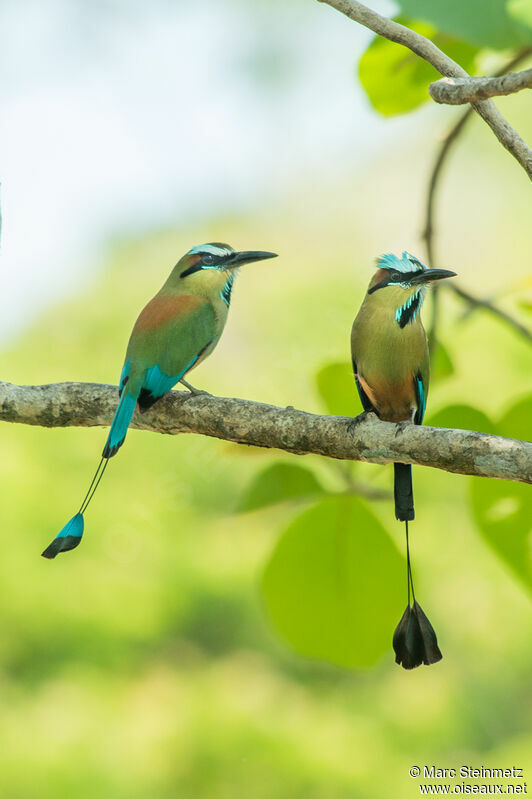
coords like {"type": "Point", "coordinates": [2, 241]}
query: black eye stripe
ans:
{"type": "Point", "coordinates": [210, 259]}
{"type": "Point", "coordinates": [404, 277]}
{"type": "Point", "coordinates": [394, 278]}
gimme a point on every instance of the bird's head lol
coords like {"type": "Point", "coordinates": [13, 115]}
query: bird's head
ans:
{"type": "Point", "coordinates": [401, 283]}
{"type": "Point", "coordinates": [211, 268]}
{"type": "Point", "coordinates": [217, 257]}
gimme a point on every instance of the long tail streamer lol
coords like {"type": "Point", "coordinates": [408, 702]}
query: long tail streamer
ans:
{"type": "Point", "coordinates": [70, 535]}
{"type": "Point", "coordinates": [414, 639]}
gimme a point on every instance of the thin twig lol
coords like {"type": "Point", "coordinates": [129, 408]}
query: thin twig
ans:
{"type": "Point", "coordinates": [457, 91]}
{"type": "Point", "coordinates": [508, 137]}
{"type": "Point", "coordinates": [478, 302]}
{"type": "Point", "coordinates": [288, 429]}
{"type": "Point", "coordinates": [427, 50]}
{"type": "Point", "coordinates": [429, 231]}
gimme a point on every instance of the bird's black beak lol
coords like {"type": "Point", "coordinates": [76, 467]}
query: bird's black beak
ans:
{"type": "Point", "coordinates": [247, 257]}
{"type": "Point", "coordinates": [428, 275]}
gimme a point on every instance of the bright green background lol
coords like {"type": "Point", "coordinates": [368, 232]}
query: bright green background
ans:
{"type": "Point", "coordinates": [183, 650]}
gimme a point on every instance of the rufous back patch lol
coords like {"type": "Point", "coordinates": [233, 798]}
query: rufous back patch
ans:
{"type": "Point", "coordinates": [163, 308]}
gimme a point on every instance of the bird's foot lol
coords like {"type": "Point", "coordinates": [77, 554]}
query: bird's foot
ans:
{"type": "Point", "coordinates": [196, 392]}
{"type": "Point", "coordinates": [400, 427]}
{"type": "Point", "coordinates": [354, 423]}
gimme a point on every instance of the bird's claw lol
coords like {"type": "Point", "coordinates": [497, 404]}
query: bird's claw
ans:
{"type": "Point", "coordinates": [196, 392]}
{"type": "Point", "coordinates": [400, 427]}
{"type": "Point", "coordinates": [354, 423]}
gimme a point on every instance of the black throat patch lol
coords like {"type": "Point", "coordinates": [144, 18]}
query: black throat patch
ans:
{"type": "Point", "coordinates": [407, 312]}
{"type": "Point", "coordinates": [225, 293]}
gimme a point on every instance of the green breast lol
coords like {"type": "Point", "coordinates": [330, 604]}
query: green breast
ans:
{"type": "Point", "coordinates": [384, 351]}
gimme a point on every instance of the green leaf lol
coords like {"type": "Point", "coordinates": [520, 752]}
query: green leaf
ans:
{"type": "Point", "coordinates": [464, 417]}
{"type": "Point", "coordinates": [484, 23]}
{"type": "Point", "coordinates": [441, 365]}
{"type": "Point", "coordinates": [517, 421]}
{"type": "Point", "coordinates": [337, 389]}
{"type": "Point", "coordinates": [503, 512]}
{"type": "Point", "coordinates": [335, 585]}
{"type": "Point", "coordinates": [396, 80]}
{"type": "Point", "coordinates": [279, 482]}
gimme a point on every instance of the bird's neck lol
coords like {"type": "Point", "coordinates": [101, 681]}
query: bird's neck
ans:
{"type": "Point", "coordinates": [396, 306]}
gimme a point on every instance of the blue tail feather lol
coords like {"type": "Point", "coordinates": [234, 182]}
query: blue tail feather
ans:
{"type": "Point", "coordinates": [157, 383]}
{"type": "Point", "coordinates": [68, 538]}
{"type": "Point", "coordinates": [120, 424]}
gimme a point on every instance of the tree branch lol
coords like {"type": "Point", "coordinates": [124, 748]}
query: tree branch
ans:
{"type": "Point", "coordinates": [429, 231]}
{"type": "Point", "coordinates": [457, 91]}
{"type": "Point", "coordinates": [288, 429]}
{"type": "Point", "coordinates": [427, 50]}
{"type": "Point", "coordinates": [486, 305]}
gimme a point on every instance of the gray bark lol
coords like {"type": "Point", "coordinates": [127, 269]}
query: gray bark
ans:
{"type": "Point", "coordinates": [288, 429]}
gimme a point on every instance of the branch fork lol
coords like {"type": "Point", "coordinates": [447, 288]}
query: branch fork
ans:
{"type": "Point", "coordinates": [423, 47]}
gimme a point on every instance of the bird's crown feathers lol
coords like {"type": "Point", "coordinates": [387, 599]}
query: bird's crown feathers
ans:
{"type": "Point", "coordinates": [216, 248]}
{"type": "Point", "coordinates": [407, 262]}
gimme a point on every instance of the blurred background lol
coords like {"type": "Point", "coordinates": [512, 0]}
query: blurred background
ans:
{"type": "Point", "coordinates": [173, 655]}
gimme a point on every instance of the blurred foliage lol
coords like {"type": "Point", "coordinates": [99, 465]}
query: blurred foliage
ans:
{"type": "Point", "coordinates": [396, 80]}
{"type": "Point", "coordinates": [496, 24]}
{"type": "Point", "coordinates": [441, 365]}
{"type": "Point", "coordinates": [319, 584]}
{"type": "Point", "coordinates": [335, 384]}
{"type": "Point", "coordinates": [463, 417]}
{"type": "Point", "coordinates": [278, 482]}
{"type": "Point", "coordinates": [517, 421]}
{"type": "Point", "coordinates": [503, 511]}
{"type": "Point", "coordinates": [143, 664]}
{"type": "Point", "coordinates": [521, 10]}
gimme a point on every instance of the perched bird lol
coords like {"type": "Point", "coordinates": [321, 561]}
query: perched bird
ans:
{"type": "Point", "coordinates": [391, 366]}
{"type": "Point", "coordinates": [174, 333]}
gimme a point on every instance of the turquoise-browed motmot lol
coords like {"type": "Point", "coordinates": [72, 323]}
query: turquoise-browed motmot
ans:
{"type": "Point", "coordinates": [391, 366]}
{"type": "Point", "coordinates": [176, 330]}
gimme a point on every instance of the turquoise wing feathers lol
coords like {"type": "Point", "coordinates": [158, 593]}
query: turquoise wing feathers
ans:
{"type": "Point", "coordinates": [179, 327]}
{"type": "Point", "coordinates": [170, 337]}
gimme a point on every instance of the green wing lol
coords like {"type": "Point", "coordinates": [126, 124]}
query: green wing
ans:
{"type": "Point", "coordinates": [170, 336]}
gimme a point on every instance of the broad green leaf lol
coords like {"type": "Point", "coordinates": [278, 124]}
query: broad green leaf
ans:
{"type": "Point", "coordinates": [335, 585]}
{"type": "Point", "coordinates": [520, 10]}
{"type": "Point", "coordinates": [396, 80]}
{"type": "Point", "coordinates": [337, 389]}
{"type": "Point", "coordinates": [517, 421]}
{"type": "Point", "coordinates": [503, 512]}
{"type": "Point", "coordinates": [484, 23]}
{"type": "Point", "coordinates": [441, 365]}
{"type": "Point", "coordinates": [279, 482]}
{"type": "Point", "coordinates": [464, 417]}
